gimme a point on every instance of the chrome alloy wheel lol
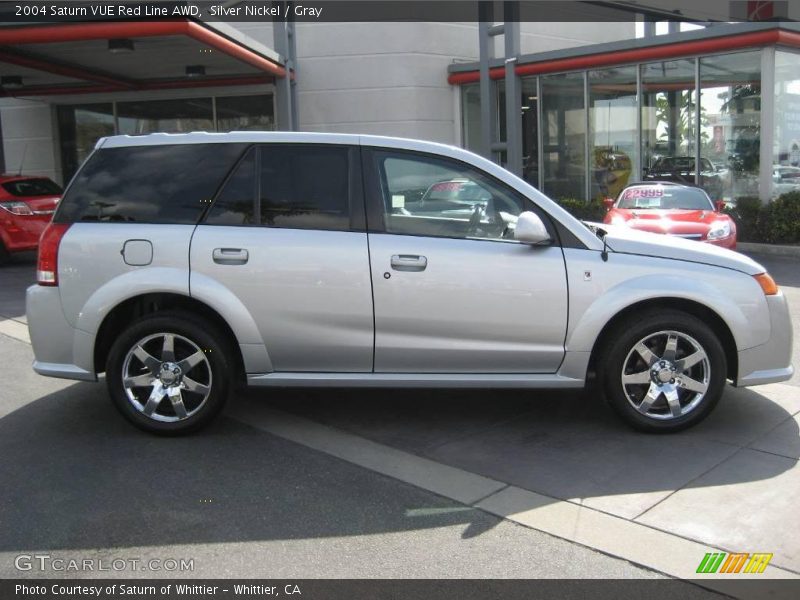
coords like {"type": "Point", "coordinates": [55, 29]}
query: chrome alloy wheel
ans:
{"type": "Point", "coordinates": [666, 375]}
{"type": "Point", "coordinates": [166, 365]}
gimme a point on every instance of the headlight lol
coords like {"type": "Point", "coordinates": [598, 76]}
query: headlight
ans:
{"type": "Point", "coordinates": [16, 208]}
{"type": "Point", "coordinates": [617, 220]}
{"type": "Point", "coordinates": [720, 229]}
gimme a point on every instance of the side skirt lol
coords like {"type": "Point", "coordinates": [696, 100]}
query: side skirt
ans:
{"type": "Point", "coordinates": [414, 380]}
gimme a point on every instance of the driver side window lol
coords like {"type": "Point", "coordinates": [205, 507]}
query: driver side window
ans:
{"type": "Point", "coordinates": [429, 196]}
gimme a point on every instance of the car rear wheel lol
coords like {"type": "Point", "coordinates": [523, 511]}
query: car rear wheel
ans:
{"type": "Point", "coordinates": [168, 373]}
{"type": "Point", "coordinates": [664, 371]}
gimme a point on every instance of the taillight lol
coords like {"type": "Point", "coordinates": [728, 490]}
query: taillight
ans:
{"type": "Point", "coordinates": [16, 208]}
{"type": "Point", "coordinates": [47, 266]}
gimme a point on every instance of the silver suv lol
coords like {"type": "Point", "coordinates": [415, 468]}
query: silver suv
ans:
{"type": "Point", "coordinates": [183, 265]}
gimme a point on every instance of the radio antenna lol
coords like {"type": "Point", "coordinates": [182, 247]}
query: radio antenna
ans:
{"type": "Point", "coordinates": [22, 160]}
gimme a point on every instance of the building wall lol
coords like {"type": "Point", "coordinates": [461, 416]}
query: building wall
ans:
{"type": "Point", "coordinates": [28, 137]}
{"type": "Point", "coordinates": [391, 78]}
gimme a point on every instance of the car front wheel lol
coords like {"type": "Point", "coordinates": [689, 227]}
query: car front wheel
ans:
{"type": "Point", "coordinates": [168, 373]}
{"type": "Point", "coordinates": [664, 371]}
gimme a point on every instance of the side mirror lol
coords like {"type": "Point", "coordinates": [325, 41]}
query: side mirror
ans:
{"type": "Point", "coordinates": [720, 205]}
{"type": "Point", "coordinates": [608, 203]}
{"type": "Point", "coordinates": [530, 229]}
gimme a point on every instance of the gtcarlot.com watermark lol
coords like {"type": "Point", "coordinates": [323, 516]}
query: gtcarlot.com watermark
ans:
{"type": "Point", "coordinates": [69, 564]}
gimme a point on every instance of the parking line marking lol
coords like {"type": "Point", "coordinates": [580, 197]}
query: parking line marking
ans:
{"type": "Point", "coordinates": [616, 536]}
{"type": "Point", "coordinates": [15, 329]}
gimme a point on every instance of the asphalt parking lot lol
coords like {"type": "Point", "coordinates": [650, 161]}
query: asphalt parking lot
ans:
{"type": "Point", "coordinates": [365, 483]}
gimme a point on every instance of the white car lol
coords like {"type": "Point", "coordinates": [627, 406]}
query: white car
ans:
{"type": "Point", "coordinates": [181, 265]}
{"type": "Point", "coordinates": [785, 179]}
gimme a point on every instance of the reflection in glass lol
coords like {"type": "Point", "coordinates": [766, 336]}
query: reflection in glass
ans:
{"type": "Point", "coordinates": [245, 113]}
{"type": "Point", "coordinates": [530, 132]}
{"type": "Point", "coordinates": [564, 135]}
{"type": "Point", "coordinates": [305, 187]}
{"type": "Point", "coordinates": [471, 117]}
{"type": "Point", "coordinates": [79, 128]}
{"type": "Point", "coordinates": [786, 157]}
{"type": "Point", "coordinates": [165, 116]}
{"type": "Point", "coordinates": [668, 121]}
{"type": "Point", "coordinates": [730, 113]}
{"type": "Point", "coordinates": [612, 130]}
{"type": "Point", "coordinates": [235, 204]}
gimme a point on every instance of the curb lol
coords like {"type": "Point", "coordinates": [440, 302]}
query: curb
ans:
{"type": "Point", "coordinates": [771, 249]}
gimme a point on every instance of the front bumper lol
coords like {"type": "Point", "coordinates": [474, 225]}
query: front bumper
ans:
{"type": "Point", "coordinates": [769, 362]}
{"type": "Point", "coordinates": [59, 349]}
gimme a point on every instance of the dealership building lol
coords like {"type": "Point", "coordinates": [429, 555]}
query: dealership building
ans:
{"type": "Point", "coordinates": [595, 106]}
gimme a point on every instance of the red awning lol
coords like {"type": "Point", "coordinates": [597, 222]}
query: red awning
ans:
{"type": "Point", "coordinates": [62, 59]}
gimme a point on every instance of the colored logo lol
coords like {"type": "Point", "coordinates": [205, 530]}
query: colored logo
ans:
{"type": "Point", "coordinates": [722, 562]}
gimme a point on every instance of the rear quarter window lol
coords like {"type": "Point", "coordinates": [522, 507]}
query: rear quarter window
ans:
{"type": "Point", "coordinates": [148, 184]}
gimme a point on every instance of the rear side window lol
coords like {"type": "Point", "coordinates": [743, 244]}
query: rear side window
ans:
{"type": "Point", "coordinates": [148, 184]}
{"type": "Point", "coordinates": [288, 186]}
{"type": "Point", "coordinates": [236, 203]}
{"type": "Point", "coordinates": [32, 187]}
{"type": "Point", "coordinates": [304, 188]}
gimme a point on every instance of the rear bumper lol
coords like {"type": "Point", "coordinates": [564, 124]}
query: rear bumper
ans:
{"type": "Point", "coordinates": [59, 349]}
{"type": "Point", "coordinates": [22, 232]}
{"type": "Point", "coordinates": [770, 362]}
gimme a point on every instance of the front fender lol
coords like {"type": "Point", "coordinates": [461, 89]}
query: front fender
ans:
{"type": "Point", "coordinates": [735, 297]}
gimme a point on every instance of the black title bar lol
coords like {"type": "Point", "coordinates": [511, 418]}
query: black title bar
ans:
{"type": "Point", "coordinates": [28, 12]}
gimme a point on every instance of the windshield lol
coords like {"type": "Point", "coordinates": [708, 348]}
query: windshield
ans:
{"type": "Point", "coordinates": [680, 163]}
{"type": "Point", "coordinates": [664, 198]}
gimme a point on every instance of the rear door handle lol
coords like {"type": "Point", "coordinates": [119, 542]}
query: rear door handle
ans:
{"type": "Point", "coordinates": [409, 262]}
{"type": "Point", "coordinates": [230, 256]}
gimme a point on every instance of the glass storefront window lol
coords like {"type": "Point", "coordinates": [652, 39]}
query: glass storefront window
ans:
{"type": "Point", "coordinates": [79, 128]}
{"type": "Point", "coordinates": [530, 132]}
{"type": "Point", "coordinates": [669, 123]}
{"type": "Point", "coordinates": [471, 117]}
{"type": "Point", "coordinates": [165, 116]}
{"type": "Point", "coordinates": [786, 148]}
{"type": "Point", "coordinates": [245, 113]}
{"type": "Point", "coordinates": [564, 136]}
{"type": "Point", "coordinates": [81, 125]}
{"type": "Point", "coordinates": [612, 130]}
{"type": "Point", "coordinates": [730, 115]}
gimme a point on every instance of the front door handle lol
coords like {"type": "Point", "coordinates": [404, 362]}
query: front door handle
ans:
{"type": "Point", "coordinates": [409, 262]}
{"type": "Point", "coordinates": [230, 256]}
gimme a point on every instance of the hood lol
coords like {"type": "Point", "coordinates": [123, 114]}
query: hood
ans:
{"type": "Point", "coordinates": [631, 241]}
{"type": "Point", "coordinates": [674, 214]}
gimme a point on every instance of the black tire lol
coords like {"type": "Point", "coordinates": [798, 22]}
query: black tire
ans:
{"type": "Point", "coordinates": [189, 334]}
{"type": "Point", "coordinates": [618, 357]}
{"type": "Point", "coordinates": [5, 255]}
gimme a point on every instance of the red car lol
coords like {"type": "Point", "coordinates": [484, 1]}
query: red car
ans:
{"type": "Point", "coordinates": [672, 209]}
{"type": "Point", "coordinates": [26, 206]}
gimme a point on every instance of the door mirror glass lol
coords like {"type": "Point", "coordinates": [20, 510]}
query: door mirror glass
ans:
{"type": "Point", "coordinates": [531, 230]}
{"type": "Point", "coordinates": [608, 203]}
